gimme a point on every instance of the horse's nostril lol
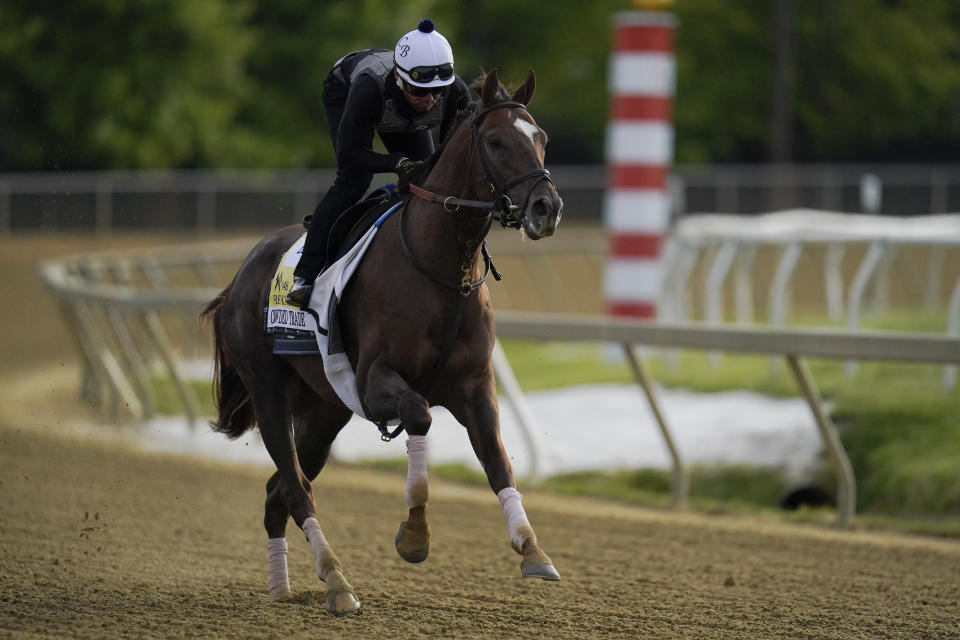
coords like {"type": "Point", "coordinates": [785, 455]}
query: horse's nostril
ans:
{"type": "Point", "coordinates": [541, 207]}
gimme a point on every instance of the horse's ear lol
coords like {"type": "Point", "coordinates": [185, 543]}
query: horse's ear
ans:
{"type": "Point", "coordinates": [524, 94]}
{"type": "Point", "coordinates": [491, 87]}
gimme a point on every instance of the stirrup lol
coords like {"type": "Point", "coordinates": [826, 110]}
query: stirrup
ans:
{"type": "Point", "coordinates": [299, 293]}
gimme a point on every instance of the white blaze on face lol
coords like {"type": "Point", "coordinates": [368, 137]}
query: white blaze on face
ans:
{"type": "Point", "coordinates": [527, 129]}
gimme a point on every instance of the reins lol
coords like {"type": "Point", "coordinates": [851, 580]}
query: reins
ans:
{"type": "Point", "coordinates": [452, 204]}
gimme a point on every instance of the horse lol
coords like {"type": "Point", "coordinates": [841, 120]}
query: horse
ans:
{"type": "Point", "coordinates": [417, 326]}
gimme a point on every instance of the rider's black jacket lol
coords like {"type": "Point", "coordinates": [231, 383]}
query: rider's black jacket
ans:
{"type": "Point", "coordinates": [373, 103]}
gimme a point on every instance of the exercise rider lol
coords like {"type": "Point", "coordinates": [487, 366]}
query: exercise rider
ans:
{"type": "Point", "coordinates": [401, 95]}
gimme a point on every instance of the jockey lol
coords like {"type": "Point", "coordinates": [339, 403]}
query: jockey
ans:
{"type": "Point", "coordinates": [400, 95]}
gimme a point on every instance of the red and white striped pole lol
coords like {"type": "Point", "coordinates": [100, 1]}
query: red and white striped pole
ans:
{"type": "Point", "coordinates": [639, 152]}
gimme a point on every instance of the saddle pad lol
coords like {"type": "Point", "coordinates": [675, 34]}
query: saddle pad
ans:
{"type": "Point", "coordinates": [316, 330]}
{"type": "Point", "coordinates": [294, 331]}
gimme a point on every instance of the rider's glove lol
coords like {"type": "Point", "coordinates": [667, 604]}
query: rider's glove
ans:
{"type": "Point", "coordinates": [406, 169]}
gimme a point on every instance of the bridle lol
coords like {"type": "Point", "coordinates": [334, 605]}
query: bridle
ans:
{"type": "Point", "coordinates": [501, 208]}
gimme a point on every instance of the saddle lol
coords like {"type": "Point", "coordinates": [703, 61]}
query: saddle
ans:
{"type": "Point", "coordinates": [350, 225]}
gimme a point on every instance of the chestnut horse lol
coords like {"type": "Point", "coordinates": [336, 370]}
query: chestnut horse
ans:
{"type": "Point", "coordinates": [418, 328]}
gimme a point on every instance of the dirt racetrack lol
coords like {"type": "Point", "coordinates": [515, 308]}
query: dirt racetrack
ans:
{"type": "Point", "coordinates": [101, 540]}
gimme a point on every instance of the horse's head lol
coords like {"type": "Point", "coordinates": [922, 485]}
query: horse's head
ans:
{"type": "Point", "coordinates": [511, 148]}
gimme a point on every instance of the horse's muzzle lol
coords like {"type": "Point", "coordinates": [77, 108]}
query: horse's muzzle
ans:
{"type": "Point", "coordinates": [542, 216]}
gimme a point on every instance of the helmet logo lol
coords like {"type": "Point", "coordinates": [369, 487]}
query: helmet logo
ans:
{"type": "Point", "coordinates": [404, 49]}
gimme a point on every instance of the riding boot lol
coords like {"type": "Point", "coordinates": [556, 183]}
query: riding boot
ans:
{"type": "Point", "coordinates": [299, 294]}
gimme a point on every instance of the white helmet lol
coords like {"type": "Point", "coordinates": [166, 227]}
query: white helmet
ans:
{"type": "Point", "coordinates": [424, 57]}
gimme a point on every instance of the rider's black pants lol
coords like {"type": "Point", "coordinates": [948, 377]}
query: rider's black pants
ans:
{"type": "Point", "coordinates": [346, 191]}
{"type": "Point", "coordinates": [350, 185]}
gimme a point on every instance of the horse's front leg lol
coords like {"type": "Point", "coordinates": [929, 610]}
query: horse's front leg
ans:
{"type": "Point", "coordinates": [388, 396]}
{"type": "Point", "coordinates": [413, 536]}
{"type": "Point", "coordinates": [477, 411]}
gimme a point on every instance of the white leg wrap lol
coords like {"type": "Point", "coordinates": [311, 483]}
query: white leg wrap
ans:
{"type": "Point", "coordinates": [277, 555]}
{"type": "Point", "coordinates": [324, 555]}
{"type": "Point", "coordinates": [517, 524]}
{"type": "Point", "coordinates": [417, 489]}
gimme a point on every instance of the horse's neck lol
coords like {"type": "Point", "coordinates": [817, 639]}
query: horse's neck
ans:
{"type": "Point", "coordinates": [455, 175]}
{"type": "Point", "coordinates": [454, 172]}
{"type": "Point", "coordinates": [444, 242]}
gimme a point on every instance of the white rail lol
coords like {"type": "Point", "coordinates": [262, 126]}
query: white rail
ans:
{"type": "Point", "coordinates": [722, 240]}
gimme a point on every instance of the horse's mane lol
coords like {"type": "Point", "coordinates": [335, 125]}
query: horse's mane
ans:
{"type": "Point", "coordinates": [462, 114]}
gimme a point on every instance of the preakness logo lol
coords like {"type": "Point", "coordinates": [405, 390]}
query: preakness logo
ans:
{"type": "Point", "coordinates": [288, 317]}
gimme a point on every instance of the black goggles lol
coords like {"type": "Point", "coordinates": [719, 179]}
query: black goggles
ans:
{"type": "Point", "coordinates": [419, 92]}
{"type": "Point", "coordinates": [426, 74]}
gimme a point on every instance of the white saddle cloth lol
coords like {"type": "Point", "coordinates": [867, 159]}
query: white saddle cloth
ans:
{"type": "Point", "coordinates": [321, 314]}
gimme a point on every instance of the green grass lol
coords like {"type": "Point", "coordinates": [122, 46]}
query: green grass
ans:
{"type": "Point", "coordinates": [547, 365]}
{"type": "Point", "coordinates": [712, 488]}
{"type": "Point", "coordinates": [901, 431]}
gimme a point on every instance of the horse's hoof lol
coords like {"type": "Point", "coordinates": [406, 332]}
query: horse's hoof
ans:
{"type": "Point", "coordinates": [539, 569]}
{"type": "Point", "coordinates": [279, 593]}
{"type": "Point", "coordinates": [342, 603]}
{"type": "Point", "coordinates": [412, 545]}
{"type": "Point", "coordinates": [535, 563]}
{"type": "Point", "coordinates": [340, 595]}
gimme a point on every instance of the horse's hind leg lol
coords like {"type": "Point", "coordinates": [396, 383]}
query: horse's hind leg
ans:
{"type": "Point", "coordinates": [388, 397]}
{"type": "Point", "coordinates": [478, 413]}
{"type": "Point", "coordinates": [273, 413]}
{"type": "Point", "coordinates": [315, 427]}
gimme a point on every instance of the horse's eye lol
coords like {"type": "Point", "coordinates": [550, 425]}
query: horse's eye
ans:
{"type": "Point", "coordinates": [495, 142]}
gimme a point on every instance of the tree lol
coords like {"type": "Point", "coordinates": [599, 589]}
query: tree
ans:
{"type": "Point", "coordinates": [238, 83]}
{"type": "Point", "coordinates": [724, 71]}
{"type": "Point", "coordinates": [875, 80]}
{"type": "Point", "coordinates": [878, 80]}
{"type": "Point", "coordinates": [109, 83]}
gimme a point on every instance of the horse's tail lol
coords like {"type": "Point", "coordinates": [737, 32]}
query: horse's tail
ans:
{"type": "Point", "coordinates": [234, 408]}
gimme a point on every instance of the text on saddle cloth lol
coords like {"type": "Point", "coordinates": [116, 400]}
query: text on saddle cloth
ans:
{"type": "Point", "coordinates": [284, 322]}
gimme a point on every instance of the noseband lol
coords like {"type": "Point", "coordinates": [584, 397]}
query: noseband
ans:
{"type": "Point", "coordinates": [501, 208]}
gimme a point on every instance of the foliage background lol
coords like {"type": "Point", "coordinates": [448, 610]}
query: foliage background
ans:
{"type": "Point", "coordinates": [112, 84]}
